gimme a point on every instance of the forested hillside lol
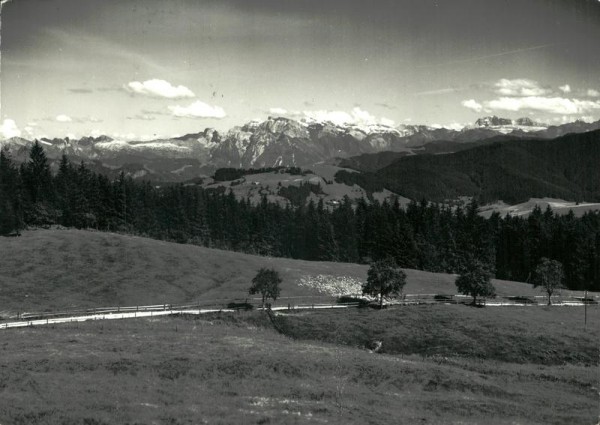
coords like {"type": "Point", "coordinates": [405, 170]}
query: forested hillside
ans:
{"type": "Point", "coordinates": [512, 171]}
{"type": "Point", "coordinates": [424, 235]}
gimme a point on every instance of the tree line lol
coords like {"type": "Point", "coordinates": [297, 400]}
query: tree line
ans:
{"type": "Point", "coordinates": [422, 235]}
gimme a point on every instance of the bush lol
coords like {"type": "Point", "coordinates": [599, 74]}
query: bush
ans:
{"type": "Point", "coordinates": [443, 298]}
{"type": "Point", "coordinates": [346, 299]}
{"type": "Point", "coordinates": [240, 306]}
{"type": "Point", "coordinates": [522, 300]}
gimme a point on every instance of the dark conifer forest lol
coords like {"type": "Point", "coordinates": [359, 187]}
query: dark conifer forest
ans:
{"type": "Point", "coordinates": [512, 170]}
{"type": "Point", "coordinates": [423, 235]}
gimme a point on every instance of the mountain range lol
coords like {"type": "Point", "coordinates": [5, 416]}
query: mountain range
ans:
{"type": "Point", "coordinates": [279, 141]}
{"type": "Point", "coordinates": [513, 171]}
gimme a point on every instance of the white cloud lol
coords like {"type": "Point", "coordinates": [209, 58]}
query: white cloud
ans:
{"type": "Point", "coordinates": [472, 104]}
{"type": "Point", "coordinates": [388, 122]}
{"type": "Point", "coordinates": [452, 126]}
{"type": "Point", "coordinates": [278, 111]}
{"type": "Point", "coordinates": [554, 105]}
{"type": "Point", "coordinates": [63, 118]}
{"type": "Point", "coordinates": [125, 136]}
{"type": "Point", "coordinates": [520, 87]}
{"type": "Point", "coordinates": [159, 88]}
{"type": "Point", "coordinates": [356, 116]}
{"type": "Point", "coordinates": [593, 93]}
{"type": "Point", "coordinates": [142, 117]}
{"type": "Point", "coordinates": [78, 120]}
{"type": "Point", "coordinates": [148, 137]}
{"type": "Point", "coordinates": [9, 129]}
{"type": "Point", "coordinates": [198, 109]}
{"type": "Point", "coordinates": [437, 92]}
{"type": "Point", "coordinates": [336, 117]}
{"type": "Point", "coordinates": [565, 89]}
{"type": "Point", "coordinates": [29, 131]}
{"type": "Point", "coordinates": [455, 126]}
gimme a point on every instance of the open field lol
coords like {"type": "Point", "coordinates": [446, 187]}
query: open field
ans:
{"type": "Point", "coordinates": [224, 369]}
{"type": "Point", "coordinates": [558, 206]}
{"type": "Point", "coordinates": [60, 269]}
{"type": "Point", "coordinates": [540, 334]}
{"type": "Point", "coordinates": [437, 364]}
{"type": "Point", "coordinates": [255, 186]}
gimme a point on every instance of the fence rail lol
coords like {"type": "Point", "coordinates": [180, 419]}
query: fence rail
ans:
{"type": "Point", "coordinates": [283, 303]}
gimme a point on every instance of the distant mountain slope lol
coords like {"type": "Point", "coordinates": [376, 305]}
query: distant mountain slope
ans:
{"type": "Point", "coordinates": [513, 171]}
{"type": "Point", "coordinates": [558, 206]}
{"type": "Point", "coordinates": [371, 162]}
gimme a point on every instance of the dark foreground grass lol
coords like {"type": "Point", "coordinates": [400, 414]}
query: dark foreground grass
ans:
{"type": "Point", "coordinates": [224, 370]}
{"type": "Point", "coordinates": [49, 270]}
{"type": "Point", "coordinates": [534, 334]}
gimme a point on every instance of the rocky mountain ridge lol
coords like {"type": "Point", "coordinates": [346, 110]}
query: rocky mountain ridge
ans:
{"type": "Point", "coordinates": [276, 141]}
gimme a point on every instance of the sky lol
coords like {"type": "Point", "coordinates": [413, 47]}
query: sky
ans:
{"type": "Point", "coordinates": [142, 69]}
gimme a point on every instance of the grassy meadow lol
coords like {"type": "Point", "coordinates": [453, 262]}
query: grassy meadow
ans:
{"type": "Point", "coordinates": [225, 369]}
{"type": "Point", "coordinates": [435, 364]}
{"type": "Point", "coordinates": [48, 270]}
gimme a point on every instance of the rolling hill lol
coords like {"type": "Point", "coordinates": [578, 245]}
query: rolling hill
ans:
{"type": "Point", "coordinates": [435, 364]}
{"type": "Point", "coordinates": [58, 269]}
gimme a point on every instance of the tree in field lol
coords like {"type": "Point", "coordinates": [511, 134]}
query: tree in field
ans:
{"type": "Point", "coordinates": [549, 275]}
{"type": "Point", "coordinates": [266, 282]}
{"type": "Point", "coordinates": [474, 280]}
{"type": "Point", "coordinates": [384, 279]}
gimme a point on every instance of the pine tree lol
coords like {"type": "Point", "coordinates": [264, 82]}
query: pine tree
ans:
{"type": "Point", "coordinates": [38, 179]}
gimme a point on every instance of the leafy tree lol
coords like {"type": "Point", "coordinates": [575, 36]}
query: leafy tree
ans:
{"type": "Point", "coordinates": [474, 280]}
{"type": "Point", "coordinates": [384, 279]}
{"type": "Point", "coordinates": [266, 282]}
{"type": "Point", "coordinates": [549, 275]}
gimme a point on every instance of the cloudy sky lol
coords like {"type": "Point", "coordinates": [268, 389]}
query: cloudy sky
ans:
{"type": "Point", "coordinates": [148, 68]}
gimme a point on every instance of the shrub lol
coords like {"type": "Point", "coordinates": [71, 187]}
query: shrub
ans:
{"type": "Point", "coordinates": [240, 306]}
{"type": "Point", "coordinates": [345, 299]}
